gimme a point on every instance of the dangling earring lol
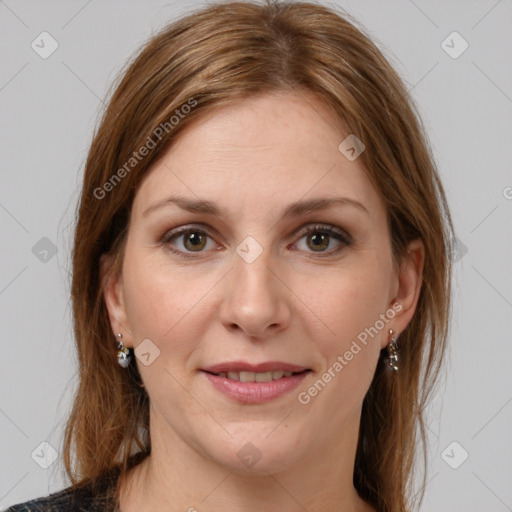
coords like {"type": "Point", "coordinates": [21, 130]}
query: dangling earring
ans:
{"type": "Point", "coordinates": [392, 359]}
{"type": "Point", "coordinates": [123, 354]}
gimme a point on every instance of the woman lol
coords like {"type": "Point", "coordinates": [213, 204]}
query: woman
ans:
{"type": "Point", "coordinates": [263, 245]}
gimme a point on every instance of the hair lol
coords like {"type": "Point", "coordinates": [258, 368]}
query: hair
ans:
{"type": "Point", "coordinates": [219, 56]}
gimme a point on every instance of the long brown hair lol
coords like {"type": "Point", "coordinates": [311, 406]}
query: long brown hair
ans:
{"type": "Point", "coordinates": [221, 55]}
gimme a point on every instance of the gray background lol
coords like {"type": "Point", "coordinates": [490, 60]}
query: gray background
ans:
{"type": "Point", "coordinates": [48, 110]}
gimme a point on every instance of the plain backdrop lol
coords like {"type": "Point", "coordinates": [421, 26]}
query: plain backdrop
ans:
{"type": "Point", "coordinates": [49, 107]}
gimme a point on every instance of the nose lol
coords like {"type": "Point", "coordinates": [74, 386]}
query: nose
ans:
{"type": "Point", "coordinates": [256, 301]}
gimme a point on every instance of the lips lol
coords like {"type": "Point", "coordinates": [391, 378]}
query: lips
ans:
{"type": "Point", "coordinates": [255, 383]}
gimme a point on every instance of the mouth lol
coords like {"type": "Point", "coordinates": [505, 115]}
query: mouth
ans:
{"type": "Point", "coordinates": [241, 376]}
{"type": "Point", "coordinates": [253, 384]}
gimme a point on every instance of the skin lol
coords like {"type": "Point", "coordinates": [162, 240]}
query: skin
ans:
{"type": "Point", "coordinates": [295, 303]}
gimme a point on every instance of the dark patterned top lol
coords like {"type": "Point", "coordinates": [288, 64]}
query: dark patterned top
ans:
{"type": "Point", "coordinates": [97, 496]}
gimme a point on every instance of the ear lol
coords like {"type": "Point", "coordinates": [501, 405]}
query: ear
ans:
{"type": "Point", "coordinates": [408, 286]}
{"type": "Point", "coordinates": [113, 294]}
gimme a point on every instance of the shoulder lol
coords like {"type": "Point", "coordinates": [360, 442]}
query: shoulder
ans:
{"type": "Point", "coordinates": [98, 495]}
{"type": "Point", "coordinates": [62, 501]}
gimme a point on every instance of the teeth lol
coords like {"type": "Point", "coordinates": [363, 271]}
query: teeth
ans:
{"type": "Point", "coordinates": [255, 377]}
{"type": "Point", "coordinates": [263, 377]}
{"type": "Point", "coordinates": [247, 377]}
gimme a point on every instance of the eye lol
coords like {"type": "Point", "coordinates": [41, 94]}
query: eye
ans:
{"type": "Point", "coordinates": [192, 240]}
{"type": "Point", "coordinates": [320, 236]}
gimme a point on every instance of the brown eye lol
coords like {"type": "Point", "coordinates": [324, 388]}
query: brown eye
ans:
{"type": "Point", "coordinates": [194, 241]}
{"type": "Point", "coordinates": [320, 237]}
{"type": "Point", "coordinates": [319, 241]}
{"type": "Point", "coordinates": [186, 241]}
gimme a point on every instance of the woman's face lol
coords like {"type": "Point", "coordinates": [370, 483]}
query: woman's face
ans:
{"type": "Point", "coordinates": [229, 267]}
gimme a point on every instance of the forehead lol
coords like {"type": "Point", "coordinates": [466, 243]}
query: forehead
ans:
{"type": "Point", "coordinates": [262, 152]}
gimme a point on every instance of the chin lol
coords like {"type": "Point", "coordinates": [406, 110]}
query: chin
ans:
{"type": "Point", "coordinates": [256, 452]}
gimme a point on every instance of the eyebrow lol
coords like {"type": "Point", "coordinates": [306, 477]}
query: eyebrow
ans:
{"type": "Point", "coordinates": [293, 210]}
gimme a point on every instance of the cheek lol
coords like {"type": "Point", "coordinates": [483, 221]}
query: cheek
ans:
{"type": "Point", "coordinates": [161, 306]}
{"type": "Point", "coordinates": [348, 302]}
{"type": "Point", "coordinates": [350, 305]}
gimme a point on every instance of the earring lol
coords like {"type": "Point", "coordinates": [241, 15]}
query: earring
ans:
{"type": "Point", "coordinates": [123, 354]}
{"type": "Point", "coordinates": [392, 359]}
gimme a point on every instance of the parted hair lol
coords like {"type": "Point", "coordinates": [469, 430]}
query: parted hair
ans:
{"type": "Point", "coordinates": [221, 55]}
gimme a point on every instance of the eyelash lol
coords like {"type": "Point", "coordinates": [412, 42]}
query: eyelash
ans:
{"type": "Point", "coordinates": [328, 229]}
